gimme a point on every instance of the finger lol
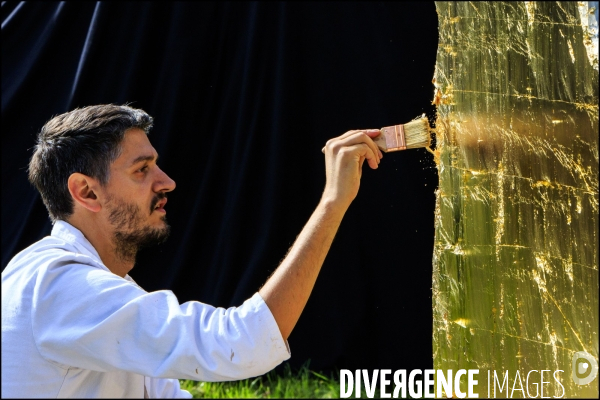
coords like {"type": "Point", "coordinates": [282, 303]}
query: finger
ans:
{"type": "Point", "coordinates": [373, 133]}
{"type": "Point", "coordinates": [332, 140]}
{"type": "Point", "coordinates": [361, 137]}
{"type": "Point", "coordinates": [349, 133]}
{"type": "Point", "coordinates": [369, 132]}
{"type": "Point", "coordinates": [378, 150]}
{"type": "Point", "coordinates": [364, 152]}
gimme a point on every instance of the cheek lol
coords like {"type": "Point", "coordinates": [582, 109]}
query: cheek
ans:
{"type": "Point", "coordinates": [131, 194]}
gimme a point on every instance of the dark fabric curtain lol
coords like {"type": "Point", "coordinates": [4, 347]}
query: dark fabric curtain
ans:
{"type": "Point", "coordinates": [244, 96]}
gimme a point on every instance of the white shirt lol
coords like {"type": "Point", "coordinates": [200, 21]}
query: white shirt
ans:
{"type": "Point", "coordinates": [72, 328]}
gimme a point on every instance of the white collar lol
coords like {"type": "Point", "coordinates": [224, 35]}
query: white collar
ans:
{"type": "Point", "coordinates": [67, 232]}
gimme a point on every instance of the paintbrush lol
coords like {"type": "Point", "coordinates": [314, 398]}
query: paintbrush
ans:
{"type": "Point", "coordinates": [412, 135]}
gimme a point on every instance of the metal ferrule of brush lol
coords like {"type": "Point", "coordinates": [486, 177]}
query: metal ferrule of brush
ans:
{"type": "Point", "coordinates": [395, 139]}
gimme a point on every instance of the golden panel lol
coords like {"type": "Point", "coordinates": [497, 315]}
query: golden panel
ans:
{"type": "Point", "coordinates": [515, 281]}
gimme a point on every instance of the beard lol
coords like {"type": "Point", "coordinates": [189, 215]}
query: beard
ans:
{"type": "Point", "coordinates": [130, 235]}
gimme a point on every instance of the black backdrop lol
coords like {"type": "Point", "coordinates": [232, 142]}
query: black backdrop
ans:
{"type": "Point", "coordinates": [244, 96]}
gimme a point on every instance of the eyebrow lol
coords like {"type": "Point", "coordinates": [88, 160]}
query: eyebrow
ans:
{"type": "Point", "coordinates": [144, 158]}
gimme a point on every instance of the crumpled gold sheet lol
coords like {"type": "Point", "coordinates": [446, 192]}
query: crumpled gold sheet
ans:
{"type": "Point", "coordinates": [515, 281]}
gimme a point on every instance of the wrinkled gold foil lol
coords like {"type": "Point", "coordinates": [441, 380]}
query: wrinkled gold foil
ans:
{"type": "Point", "coordinates": [515, 281]}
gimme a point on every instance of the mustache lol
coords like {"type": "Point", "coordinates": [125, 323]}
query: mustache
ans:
{"type": "Point", "coordinates": [156, 199]}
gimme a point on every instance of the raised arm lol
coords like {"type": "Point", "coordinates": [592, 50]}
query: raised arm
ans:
{"type": "Point", "coordinates": [287, 290]}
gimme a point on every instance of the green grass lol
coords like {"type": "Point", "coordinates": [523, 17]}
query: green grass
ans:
{"type": "Point", "coordinates": [302, 384]}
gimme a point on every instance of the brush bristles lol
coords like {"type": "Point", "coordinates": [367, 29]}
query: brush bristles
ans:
{"type": "Point", "coordinates": [417, 133]}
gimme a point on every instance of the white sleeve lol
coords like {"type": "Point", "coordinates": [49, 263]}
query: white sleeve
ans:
{"type": "Point", "coordinates": [86, 317]}
{"type": "Point", "coordinates": [159, 388]}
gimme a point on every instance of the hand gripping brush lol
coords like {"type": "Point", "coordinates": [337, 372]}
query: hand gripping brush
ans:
{"type": "Point", "coordinates": [412, 135]}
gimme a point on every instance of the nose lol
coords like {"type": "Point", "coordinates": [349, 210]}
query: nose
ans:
{"type": "Point", "coordinates": [163, 182]}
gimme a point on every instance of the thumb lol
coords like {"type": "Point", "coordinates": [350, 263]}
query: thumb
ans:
{"type": "Point", "coordinates": [372, 132]}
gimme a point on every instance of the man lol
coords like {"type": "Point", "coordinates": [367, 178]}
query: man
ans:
{"type": "Point", "coordinates": [74, 324]}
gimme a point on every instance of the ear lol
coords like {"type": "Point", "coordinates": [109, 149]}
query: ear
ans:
{"type": "Point", "coordinates": [81, 189]}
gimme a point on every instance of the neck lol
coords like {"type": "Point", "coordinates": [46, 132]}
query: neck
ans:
{"type": "Point", "coordinates": [117, 258]}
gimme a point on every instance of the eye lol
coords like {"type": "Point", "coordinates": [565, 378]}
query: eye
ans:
{"type": "Point", "coordinates": [143, 169]}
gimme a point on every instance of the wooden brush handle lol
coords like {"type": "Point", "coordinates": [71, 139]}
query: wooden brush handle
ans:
{"type": "Point", "coordinates": [392, 138]}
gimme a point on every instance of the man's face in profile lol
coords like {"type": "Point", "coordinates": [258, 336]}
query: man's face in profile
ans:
{"type": "Point", "coordinates": [135, 196]}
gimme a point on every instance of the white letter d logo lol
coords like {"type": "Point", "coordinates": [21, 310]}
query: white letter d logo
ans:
{"type": "Point", "coordinates": [584, 368]}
